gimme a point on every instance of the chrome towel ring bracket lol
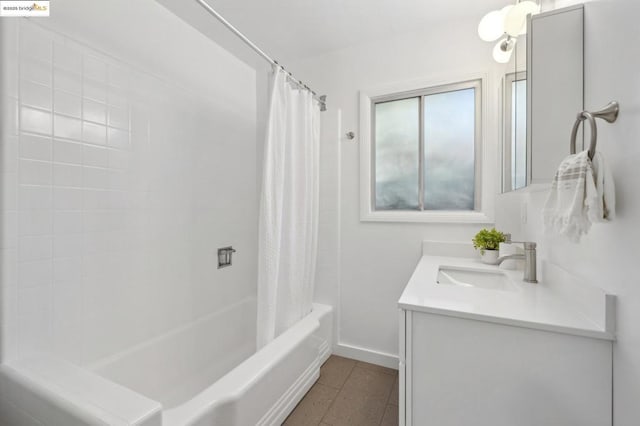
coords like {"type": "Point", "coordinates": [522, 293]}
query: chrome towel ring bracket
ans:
{"type": "Point", "coordinates": [608, 113]}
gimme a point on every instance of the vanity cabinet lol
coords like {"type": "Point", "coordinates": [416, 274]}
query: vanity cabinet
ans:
{"type": "Point", "coordinates": [457, 371]}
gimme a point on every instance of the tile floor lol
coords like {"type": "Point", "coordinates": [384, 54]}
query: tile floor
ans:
{"type": "Point", "coordinates": [349, 392]}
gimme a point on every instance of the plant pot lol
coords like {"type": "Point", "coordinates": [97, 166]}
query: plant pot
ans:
{"type": "Point", "coordinates": [489, 256]}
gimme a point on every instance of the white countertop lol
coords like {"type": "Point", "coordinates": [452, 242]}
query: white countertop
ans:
{"type": "Point", "coordinates": [539, 306]}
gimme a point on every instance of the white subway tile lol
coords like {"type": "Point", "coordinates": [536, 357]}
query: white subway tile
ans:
{"type": "Point", "coordinates": [67, 199]}
{"type": "Point", "coordinates": [119, 117]}
{"type": "Point", "coordinates": [95, 177]}
{"type": "Point", "coordinates": [96, 199]}
{"type": "Point", "coordinates": [97, 243]}
{"type": "Point", "coordinates": [119, 159]}
{"type": "Point", "coordinates": [118, 139]}
{"type": "Point", "coordinates": [67, 103]}
{"type": "Point", "coordinates": [35, 197]}
{"type": "Point", "coordinates": [118, 76]}
{"type": "Point", "coordinates": [95, 156]}
{"type": "Point", "coordinates": [35, 273]}
{"type": "Point", "coordinates": [33, 301]}
{"type": "Point", "coordinates": [118, 179]}
{"type": "Point", "coordinates": [35, 120]}
{"type": "Point", "coordinates": [35, 248]}
{"type": "Point", "coordinates": [34, 333]}
{"type": "Point", "coordinates": [36, 222]}
{"type": "Point", "coordinates": [67, 81]}
{"type": "Point", "coordinates": [118, 98]}
{"type": "Point", "coordinates": [95, 91]}
{"type": "Point", "coordinates": [94, 133]}
{"type": "Point", "coordinates": [67, 245]}
{"type": "Point", "coordinates": [35, 42]}
{"type": "Point", "coordinates": [36, 70]}
{"type": "Point", "coordinates": [35, 147]}
{"type": "Point", "coordinates": [67, 152]}
{"type": "Point", "coordinates": [35, 95]}
{"type": "Point", "coordinates": [94, 111]}
{"type": "Point", "coordinates": [97, 221]}
{"type": "Point", "coordinates": [67, 270]}
{"type": "Point", "coordinates": [67, 329]}
{"type": "Point", "coordinates": [67, 222]}
{"type": "Point", "coordinates": [66, 127]}
{"type": "Point", "coordinates": [34, 172]}
{"type": "Point", "coordinates": [120, 199]}
{"type": "Point", "coordinates": [67, 57]}
{"type": "Point", "coordinates": [67, 175]}
{"type": "Point", "coordinates": [94, 69]}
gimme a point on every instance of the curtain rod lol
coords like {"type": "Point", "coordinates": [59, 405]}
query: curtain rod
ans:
{"type": "Point", "coordinates": [321, 99]}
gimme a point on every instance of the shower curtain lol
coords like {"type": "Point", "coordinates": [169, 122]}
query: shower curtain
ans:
{"type": "Point", "coordinates": [288, 229]}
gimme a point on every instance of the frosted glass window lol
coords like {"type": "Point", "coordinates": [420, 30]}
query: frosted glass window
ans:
{"type": "Point", "coordinates": [425, 145]}
{"type": "Point", "coordinates": [397, 154]}
{"type": "Point", "coordinates": [449, 150]}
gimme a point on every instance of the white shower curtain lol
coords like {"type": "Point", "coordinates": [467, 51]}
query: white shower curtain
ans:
{"type": "Point", "coordinates": [288, 230]}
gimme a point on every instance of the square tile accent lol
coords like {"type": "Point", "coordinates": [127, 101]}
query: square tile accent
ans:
{"type": "Point", "coordinates": [349, 392]}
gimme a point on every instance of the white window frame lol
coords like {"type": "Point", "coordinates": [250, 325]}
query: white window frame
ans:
{"type": "Point", "coordinates": [481, 214]}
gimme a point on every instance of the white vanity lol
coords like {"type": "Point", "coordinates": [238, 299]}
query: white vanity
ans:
{"type": "Point", "coordinates": [480, 347]}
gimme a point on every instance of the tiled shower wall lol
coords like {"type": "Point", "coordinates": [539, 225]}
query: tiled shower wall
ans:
{"type": "Point", "coordinates": [117, 188]}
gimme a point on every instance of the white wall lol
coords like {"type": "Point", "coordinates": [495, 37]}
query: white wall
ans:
{"type": "Point", "coordinates": [364, 266]}
{"type": "Point", "coordinates": [129, 156]}
{"type": "Point", "coordinates": [607, 257]}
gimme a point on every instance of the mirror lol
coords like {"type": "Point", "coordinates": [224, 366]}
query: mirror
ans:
{"type": "Point", "coordinates": [514, 149]}
{"type": "Point", "coordinates": [543, 91]}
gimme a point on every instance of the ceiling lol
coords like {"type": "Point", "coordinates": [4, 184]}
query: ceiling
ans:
{"type": "Point", "coordinates": [296, 29]}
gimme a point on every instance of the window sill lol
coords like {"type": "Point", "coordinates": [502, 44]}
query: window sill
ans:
{"type": "Point", "coordinates": [426, 217]}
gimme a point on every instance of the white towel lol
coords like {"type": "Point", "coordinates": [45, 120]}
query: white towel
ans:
{"type": "Point", "coordinates": [582, 192]}
{"type": "Point", "coordinates": [603, 207]}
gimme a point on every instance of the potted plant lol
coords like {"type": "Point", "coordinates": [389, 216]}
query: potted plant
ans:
{"type": "Point", "coordinates": [488, 241]}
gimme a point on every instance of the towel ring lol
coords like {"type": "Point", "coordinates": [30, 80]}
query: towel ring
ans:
{"type": "Point", "coordinates": [608, 113]}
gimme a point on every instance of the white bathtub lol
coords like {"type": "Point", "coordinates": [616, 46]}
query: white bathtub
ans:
{"type": "Point", "coordinates": [201, 374]}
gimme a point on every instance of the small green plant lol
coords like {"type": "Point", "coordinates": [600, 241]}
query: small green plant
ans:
{"type": "Point", "coordinates": [488, 240]}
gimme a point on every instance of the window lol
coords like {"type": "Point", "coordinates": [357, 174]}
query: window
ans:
{"type": "Point", "coordinates": [421, 159]}
{"type": "Point", "coordinates": [424, 148]}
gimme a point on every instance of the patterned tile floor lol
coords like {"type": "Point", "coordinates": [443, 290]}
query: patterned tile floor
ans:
{"type": "Point", "coordinates": [349, 392]}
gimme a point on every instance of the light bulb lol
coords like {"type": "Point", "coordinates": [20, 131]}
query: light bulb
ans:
{"type": "Point", "coordinates": [491, 26]}
{"type": "Point", "coordinates": [515, 21]}
{"type": "Point", "coordinates": [503, 50]}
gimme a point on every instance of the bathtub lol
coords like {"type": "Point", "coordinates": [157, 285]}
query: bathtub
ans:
{"type": "Point", "coordinates": [180, 378]}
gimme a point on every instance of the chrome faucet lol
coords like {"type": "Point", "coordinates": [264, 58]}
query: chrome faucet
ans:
{"type": "Point", "coordinates": [529, 257]}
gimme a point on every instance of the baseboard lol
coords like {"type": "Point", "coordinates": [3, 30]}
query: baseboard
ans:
{"type": "Point", "coordinates": [366, 355]}
{"type": "Point", "coordinates": [287, 402]}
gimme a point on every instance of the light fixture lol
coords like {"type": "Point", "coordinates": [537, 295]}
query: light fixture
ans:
{"type": "Point", "coordinates": [511, 21]}
{"type": "Point", "coordinates": [491, 26]}
{"type": "Point", "coordinates": [503, 50]}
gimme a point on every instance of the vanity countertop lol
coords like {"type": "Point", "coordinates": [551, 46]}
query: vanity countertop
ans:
{"type": "Point", "coordinates": [538, 306]}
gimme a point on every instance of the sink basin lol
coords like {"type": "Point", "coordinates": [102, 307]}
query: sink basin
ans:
{"type": "Point", "coordinates": [474, 278]}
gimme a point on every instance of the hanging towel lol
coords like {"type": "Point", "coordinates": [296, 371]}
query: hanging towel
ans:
{"type": "Point", "coordinates": [572, 191]}
{"type": "Point", "coordinates": [582, 193]}
{"type": "Point", "coordinates": [603, 207]}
